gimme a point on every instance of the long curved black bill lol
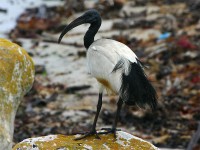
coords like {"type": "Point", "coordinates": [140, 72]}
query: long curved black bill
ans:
{"type": "Point", "coordinates": [73, 24]}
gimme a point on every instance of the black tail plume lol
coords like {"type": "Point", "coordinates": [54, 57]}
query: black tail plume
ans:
{"type": "Point", "coordinates": [136, 89]}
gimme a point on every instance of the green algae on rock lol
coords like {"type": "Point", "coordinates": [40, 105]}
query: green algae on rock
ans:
{"type": "Point", "coordinates": [16, 79]}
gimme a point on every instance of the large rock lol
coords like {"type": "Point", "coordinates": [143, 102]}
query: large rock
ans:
{"type": "Point", "coordinates": [66, 142]}
{"type": "Point", "coordinates": [16, 78]}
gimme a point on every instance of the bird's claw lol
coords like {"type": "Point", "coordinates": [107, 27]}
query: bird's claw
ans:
{"type": "Point", "coordinates": [109, 130]}
{"type": "Point", "coordinates": [90, 133]}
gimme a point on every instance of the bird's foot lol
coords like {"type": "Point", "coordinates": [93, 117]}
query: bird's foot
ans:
{"type": "Point", "coordinates": [86, 134]}
{"type": "Point", "coordinates": [109, 130]}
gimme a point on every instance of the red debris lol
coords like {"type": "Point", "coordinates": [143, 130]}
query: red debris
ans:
{"type": "Point", "coordinates": [185, 43]}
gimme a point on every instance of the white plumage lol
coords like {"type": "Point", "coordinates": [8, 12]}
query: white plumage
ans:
{"type": "Point", "coordinates": [102, 56]}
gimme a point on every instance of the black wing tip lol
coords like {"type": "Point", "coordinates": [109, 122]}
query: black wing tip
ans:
{"type": "Point", "coordinates": [136, 89]}
{"type": "Point", "coordinates": [154, 103]}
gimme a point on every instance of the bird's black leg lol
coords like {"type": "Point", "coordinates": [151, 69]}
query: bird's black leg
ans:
{"type": "Point", "coordinates": [113, 129]}
{"type": "Point", "coordinates": [93, 129]}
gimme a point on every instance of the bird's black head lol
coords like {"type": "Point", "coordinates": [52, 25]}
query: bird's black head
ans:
{"type": "Point", "coordinates": [91, 16]}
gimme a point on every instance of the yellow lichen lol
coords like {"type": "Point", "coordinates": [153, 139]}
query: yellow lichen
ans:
{"type": "Point", "coordinates": [16, 78]}
{"type": "Point", "coordinates": [68, 142]}
{"type": "Point", "coordinates": [17, 75]}
{"type": "Point", "coordinates": [16, 68]}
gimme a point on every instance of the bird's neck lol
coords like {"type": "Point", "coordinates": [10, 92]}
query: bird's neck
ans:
{"type": "Point", "coordinates": [90, 34]}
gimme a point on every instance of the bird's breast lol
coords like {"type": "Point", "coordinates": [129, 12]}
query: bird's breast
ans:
{"type": "Point", "coordinates": [107, 85]}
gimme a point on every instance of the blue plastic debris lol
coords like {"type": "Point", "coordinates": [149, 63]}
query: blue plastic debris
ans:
{"type": "Point", "coordinates": [164, 36]}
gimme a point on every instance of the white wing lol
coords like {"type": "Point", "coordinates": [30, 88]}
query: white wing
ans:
{"type": "Point", "coordinates": [103, 55]}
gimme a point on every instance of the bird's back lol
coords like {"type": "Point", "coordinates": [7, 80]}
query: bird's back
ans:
{"type": "Point", "coordinates": [113, 49]}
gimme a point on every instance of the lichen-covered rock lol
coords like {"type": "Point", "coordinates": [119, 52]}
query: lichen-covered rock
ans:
{"type": "Point", "coordinates": [16, 78]}
{"type": "Point", "coordinates": [66, 142]}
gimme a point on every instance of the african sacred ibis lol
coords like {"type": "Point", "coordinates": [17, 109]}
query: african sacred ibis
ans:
{"type": "Point", "coordinates": [116, 68]}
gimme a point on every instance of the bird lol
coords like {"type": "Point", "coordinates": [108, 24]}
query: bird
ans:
{"type": "Point", "coordinates": [116, 68]}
